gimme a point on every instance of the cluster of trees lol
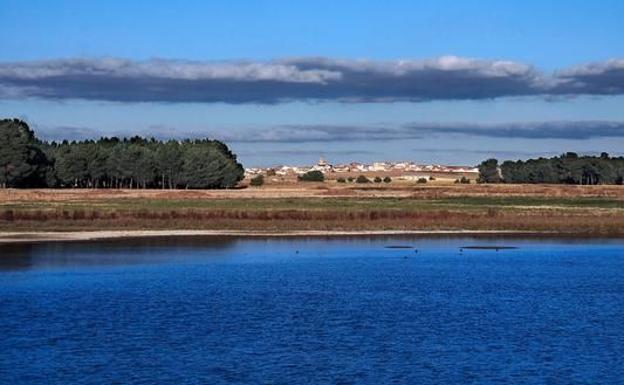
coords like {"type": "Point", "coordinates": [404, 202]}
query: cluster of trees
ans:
{"type": "Point", "coordinates": [136, 162]}
{"type": "Point", "coordinates": [568, 168]}
{"type": "Point", "coordinates": [386, 179]}
{"type": "Point", "coordinates": [364, 179]}
{"type": "Point", "coordinates": [312, 176]}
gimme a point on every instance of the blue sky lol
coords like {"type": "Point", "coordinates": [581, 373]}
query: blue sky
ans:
{"type": "Point", "coordinates": [281, 81]}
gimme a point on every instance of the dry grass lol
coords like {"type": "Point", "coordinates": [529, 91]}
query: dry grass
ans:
{"type": "Point", "coordinates": [588, 210]}
{"type": "Point", "coordinates": [608, 224]}
{"type": "Point", "coordinates": [307, 190]}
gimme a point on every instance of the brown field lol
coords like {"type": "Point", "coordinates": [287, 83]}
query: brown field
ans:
{"type": "Point", "coordinates": [567, 210]}
{"type": "Point", "coordinates": [439, 178]}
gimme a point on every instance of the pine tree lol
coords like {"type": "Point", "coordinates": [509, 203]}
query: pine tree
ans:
{"type": "Point", "coordinates": [22, 162]}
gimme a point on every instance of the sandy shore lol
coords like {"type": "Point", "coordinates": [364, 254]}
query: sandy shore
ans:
{"type": "Point", "coordinates": [29, 237]}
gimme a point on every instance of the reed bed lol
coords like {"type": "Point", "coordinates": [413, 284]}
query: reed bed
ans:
{"type": "Point", "coordinates": [547, 220]}
{"type": "Point", "coordinates": [545, 208]}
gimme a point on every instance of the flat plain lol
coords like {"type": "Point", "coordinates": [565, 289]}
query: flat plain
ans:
{"type": "Point", "coordinates": [552, 209]}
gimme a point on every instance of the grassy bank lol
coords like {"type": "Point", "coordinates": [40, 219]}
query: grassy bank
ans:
{"type": "Point", "coordinates": [423, 209]}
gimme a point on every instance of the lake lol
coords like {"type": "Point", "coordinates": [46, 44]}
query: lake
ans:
{"type": "Point", "coordinates": [369, 310]}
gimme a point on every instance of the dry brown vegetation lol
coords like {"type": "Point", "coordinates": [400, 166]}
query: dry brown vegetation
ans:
{"type": "Point", "coordinates": [588, 210]}
{"type": "Point", "coordinates": [305, 190]}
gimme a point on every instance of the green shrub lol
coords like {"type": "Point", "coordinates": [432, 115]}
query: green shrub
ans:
{"type": "Point", "coordinates": [362, 179]}
{"type": "Point", "coordinates": [341, 180]}
{"type": "Point", "coordinates": [350, 179]}
{"type": "Point", "coordinates": [377, 179]}
{"type": "Point", "coordinates": [312, 176]}
{"type": "Point", "coordinates": [421, 180]}
{"type": "Point", "coordinates": [387, 179]}
{"type": "Point", "coordinates": [463, 180]}
{"type": "Point", "coordinates": [257, 181]}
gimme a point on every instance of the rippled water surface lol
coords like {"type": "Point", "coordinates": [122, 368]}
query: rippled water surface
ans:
{"type": "Point", "coordinates": [312, 311]}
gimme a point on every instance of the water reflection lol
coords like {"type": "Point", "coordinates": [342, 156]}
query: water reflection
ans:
{"type": "Point", "coordinates": [133, 251]}
{"type": "Point", "coordinates": [16, 256]}
{"type": "Point", "coordinates": [23, 256]}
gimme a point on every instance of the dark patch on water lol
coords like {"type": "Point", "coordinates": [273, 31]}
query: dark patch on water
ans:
{"type": "Point", "coordinates": [496, 248]}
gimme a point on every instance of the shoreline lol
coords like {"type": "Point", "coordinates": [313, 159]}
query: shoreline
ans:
{"type": "Point", "coordinates": [77, 236]}
{"type": "Point", "coordinates": [312, 211]}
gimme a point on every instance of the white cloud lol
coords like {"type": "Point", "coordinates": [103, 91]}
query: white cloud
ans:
{"type": "Point", "coordinates": [444, 78]}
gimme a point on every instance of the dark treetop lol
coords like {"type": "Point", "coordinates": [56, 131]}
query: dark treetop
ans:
{"type": "Point", "coordinates": [133, 162]}
{"type": "Point", "coordinates": [568, 168]}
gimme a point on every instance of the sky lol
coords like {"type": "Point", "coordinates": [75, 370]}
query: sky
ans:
{"type": "Point", "coordinates": [284, 82]}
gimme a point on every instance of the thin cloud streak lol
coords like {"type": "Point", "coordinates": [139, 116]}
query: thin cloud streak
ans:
{"type": "Point", "coordinates": [300, 79]}
{"type": "Point", "coordinates": [564, 130]}
{"type": "Point", "coordinates": [575, 130]}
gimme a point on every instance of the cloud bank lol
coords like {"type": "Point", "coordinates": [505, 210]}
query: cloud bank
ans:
{"type": "Point", "coordinates": [570, 130]}
{"type": "Point", "coordinates": [564, 130]}
{"type": "Point", "coordinates": [300, 79]}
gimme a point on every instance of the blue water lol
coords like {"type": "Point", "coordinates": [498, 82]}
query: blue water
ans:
{"type": "Point", "coordinates": [312, 311]}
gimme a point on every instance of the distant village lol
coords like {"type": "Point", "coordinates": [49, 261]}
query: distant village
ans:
{"type": "Point", "coordinates": [355, 167]}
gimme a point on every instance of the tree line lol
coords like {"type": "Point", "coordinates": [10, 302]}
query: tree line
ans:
{"type": "Point", "coordinates": [569, 168]}
{"type": "Point", "coordinates": [136, 162]}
